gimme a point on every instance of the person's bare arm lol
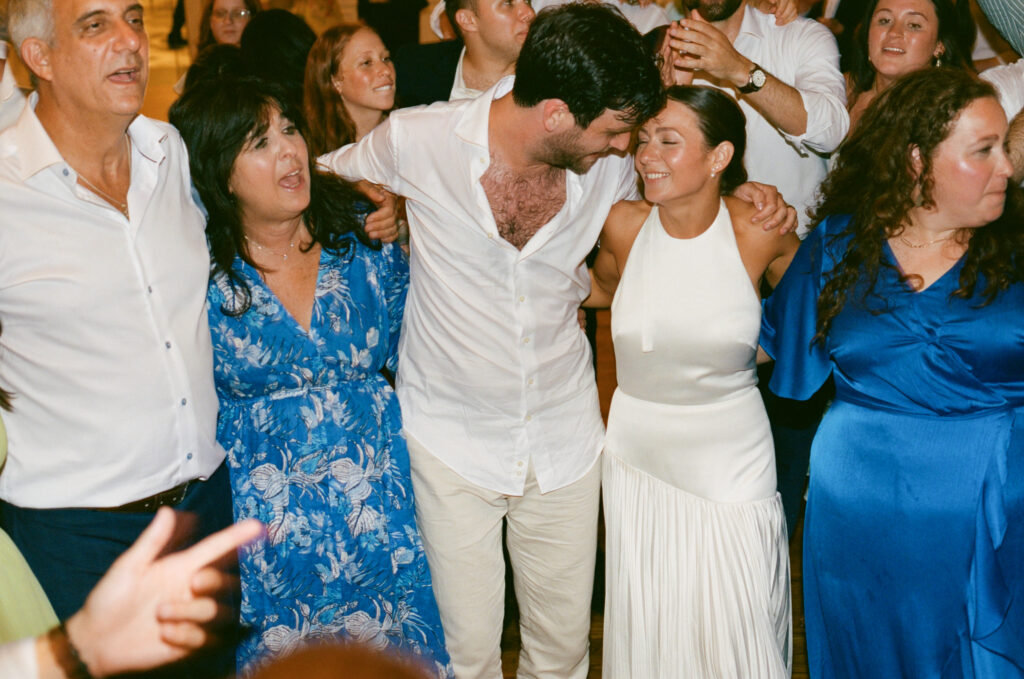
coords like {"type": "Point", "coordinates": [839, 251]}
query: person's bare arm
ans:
{"type": "Point", "coordinates": [620, 230]}
{"type": "Point", "coordinates": [765, 254]}
{"type": "Point", "coordinates": [702, 46]}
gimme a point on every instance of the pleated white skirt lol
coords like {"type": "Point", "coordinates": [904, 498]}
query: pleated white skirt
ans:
{"type": "Point", "coordinates": [696, 589]}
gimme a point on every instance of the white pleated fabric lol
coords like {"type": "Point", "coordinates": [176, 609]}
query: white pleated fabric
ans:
{"type": "Point", "coordinates": [697, 575]}
{"type": "Point", "coordinates": [695, 589]}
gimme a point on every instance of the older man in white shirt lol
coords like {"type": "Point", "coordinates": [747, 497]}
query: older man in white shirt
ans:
{"type": "Point", "coordinates": [103, 272]}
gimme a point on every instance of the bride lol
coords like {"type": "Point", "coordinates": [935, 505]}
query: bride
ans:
{"type": "Point", "coordinates": [698, 568]}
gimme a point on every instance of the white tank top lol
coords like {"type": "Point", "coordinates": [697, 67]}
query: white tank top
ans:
{"type": "Point", "coordinates": [685, 318]}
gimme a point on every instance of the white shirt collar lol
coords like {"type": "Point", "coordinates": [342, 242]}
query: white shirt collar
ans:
{"type": "Point", "coordinates": [473, 126]}
{"type": "Point", "coordinates": [459, 88]}
{"type": "Point", "coordinates": [28, 140]}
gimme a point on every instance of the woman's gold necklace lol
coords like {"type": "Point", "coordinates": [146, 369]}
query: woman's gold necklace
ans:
{"type": "Point", "coordinates": [121, 207]}
{"type": "Point", "coordinates": [261, 248]}
{"type": "Point", "coordinates": [918, 246]}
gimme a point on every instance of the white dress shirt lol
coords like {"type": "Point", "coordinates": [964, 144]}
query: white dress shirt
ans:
{"type": "Point", "coordinates": [494, 370]}
{"type": "Point", "coordinates": [459, 88]}
{"type": "Point", "coordinates": [803, 54]}
{"type": "Point", "coordinates": [1009, 83]}
{"type": "Point", "coordinates": [105, 340]}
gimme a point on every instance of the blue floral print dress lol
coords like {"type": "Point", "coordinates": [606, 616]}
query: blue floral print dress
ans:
{"type": "Point", "coordinates": [313, 434]}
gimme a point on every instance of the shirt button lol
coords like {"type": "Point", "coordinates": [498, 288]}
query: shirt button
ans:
{"type": "Point", "coordinates": [519, 464]}
{"type": "Point", "coordinates": [491, 236]}
{"type": "Point", "coordinates": [529, 417]}
{"type": "Point", "coordinates": [522, 298]}
{"type": "Point", "coordinates": [66, 173]}
{"type": "Point", "coordinates": [526, 340]}
{"type": "Point", "coordinates": [184, 401]}
{"type": "Point", "coordinates": [189, 456]}
{"type": "Point", "coordinates": [167, 344]}
{"type": "Point", "coordinates": [149, 289]}
{"type": "Point", "coordinates": [529, 382]}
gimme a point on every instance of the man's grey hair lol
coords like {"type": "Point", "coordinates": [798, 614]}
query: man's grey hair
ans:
{"type": "Point", "coordinates": [30, 19]}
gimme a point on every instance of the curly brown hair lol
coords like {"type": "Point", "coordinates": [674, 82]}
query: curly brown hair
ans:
{"type": "Point", "coordinates": [874, 182]}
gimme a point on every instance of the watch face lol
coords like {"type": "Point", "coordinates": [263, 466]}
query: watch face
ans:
{"type": "Point", "coordinates": [757, 78]}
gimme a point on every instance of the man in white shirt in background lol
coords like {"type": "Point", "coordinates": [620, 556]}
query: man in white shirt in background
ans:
{"type": "Point", "coordinates": [506, 194]}
{"type": "Point", "coordinates": [1009, 83]}
{"type": "Point", "coordinates": [103, 276]}
{"type": "Point", "coordinates": [787, 81]}
{"type": "Point", "coordinates": [490, 32]}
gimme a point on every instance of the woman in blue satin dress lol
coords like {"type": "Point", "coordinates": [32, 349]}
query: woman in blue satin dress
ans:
{"type": "Point", "coordinates": [909, 291]}
{"type": "Point", "coordinates": [305, 312]}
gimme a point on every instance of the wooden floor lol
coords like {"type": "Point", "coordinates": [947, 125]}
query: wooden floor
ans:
{"type": "Point", "coordinates": [510, 636]}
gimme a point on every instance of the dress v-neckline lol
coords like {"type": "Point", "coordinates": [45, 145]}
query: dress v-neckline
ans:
{"type": "Point", "coordinates": [277, 300]}
{"type": "Point", "coordinates": [899, 267]}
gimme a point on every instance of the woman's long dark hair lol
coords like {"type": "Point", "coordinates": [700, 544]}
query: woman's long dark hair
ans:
{"type": "Point", "coordinates": [873, 181]}
{"type": "Point", "coordinates": [216, 120]}
{"type": "Point", "coordinates": [952, 35]}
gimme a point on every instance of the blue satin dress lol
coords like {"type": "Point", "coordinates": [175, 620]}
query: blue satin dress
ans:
{"type": "Point", "coordinates": [914, 534]}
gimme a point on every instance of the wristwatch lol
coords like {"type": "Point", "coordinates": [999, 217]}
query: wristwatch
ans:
{"type": "Point", "coordinates": [756, 82]}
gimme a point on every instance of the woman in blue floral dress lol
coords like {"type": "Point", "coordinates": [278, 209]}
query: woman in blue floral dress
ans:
{"type": "Point", "coordinates": [305, 313]}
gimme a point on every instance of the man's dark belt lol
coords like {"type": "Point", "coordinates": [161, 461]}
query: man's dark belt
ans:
{"type": "Point", "coordinates": [168, 498]}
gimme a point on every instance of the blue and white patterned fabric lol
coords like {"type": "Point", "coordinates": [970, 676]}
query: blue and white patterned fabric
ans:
{"type": "Point", "coordinates": [313, 434]}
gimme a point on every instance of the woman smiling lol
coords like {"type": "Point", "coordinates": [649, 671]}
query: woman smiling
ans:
{"type": "Point", "coordinates": [698, 568]}
{"type": "Point", "coordinates": [349, 86]}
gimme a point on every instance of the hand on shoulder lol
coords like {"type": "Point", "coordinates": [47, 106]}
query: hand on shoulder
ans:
{"type": "Point", "coordinates": [765, 253]}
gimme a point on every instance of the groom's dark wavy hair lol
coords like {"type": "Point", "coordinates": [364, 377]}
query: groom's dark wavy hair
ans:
{"type": "Point", "coordinates": [590, 57]}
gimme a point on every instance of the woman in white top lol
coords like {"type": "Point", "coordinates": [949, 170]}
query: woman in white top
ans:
{"type": "Point", "coordinates": [698, 569]}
